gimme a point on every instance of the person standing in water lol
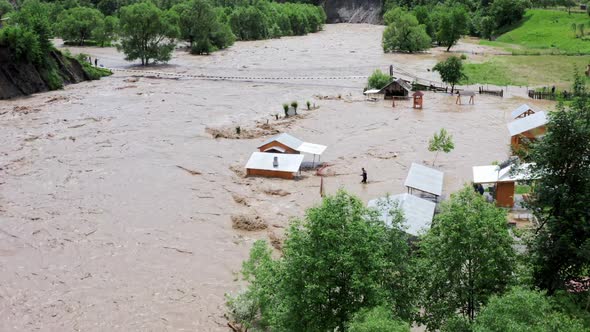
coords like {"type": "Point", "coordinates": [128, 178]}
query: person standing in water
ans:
{"type": "Point", "coordinates": [95, 62]}
{"type": "Point", "coordinates": [364, 175]}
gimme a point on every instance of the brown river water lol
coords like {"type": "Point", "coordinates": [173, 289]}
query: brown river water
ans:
{"type": "Point", "coordinates": [101, 230]}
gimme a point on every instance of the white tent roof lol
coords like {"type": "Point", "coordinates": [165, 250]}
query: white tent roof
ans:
{"type": "Point", "coordinates": [425, 179]}
{"type": "Point", "coordinates": [372, 91]}
{"type": "Point", "coordinates": [418, 212]}
{"type": "Point", "coordinates": [296, 144]}
{"type": "Point", "coordinates": [264, 160]}
{"type": "Point", "coordinates": [493, 174]}
{"type": "Point", "coordinates": [311, 148]}
{"type": "Point", "coordinates": [520, 110]}
{"type": "Point", "coordinates": [527, 123]}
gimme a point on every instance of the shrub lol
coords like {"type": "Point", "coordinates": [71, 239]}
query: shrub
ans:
{"type": "Point", "coordinates": [378, 80]}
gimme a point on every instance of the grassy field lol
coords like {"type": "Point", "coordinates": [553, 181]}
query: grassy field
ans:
{"type": "Point", "coordinates": [547, 31]}
{"type": "Point", "coordinates": [526, 70]}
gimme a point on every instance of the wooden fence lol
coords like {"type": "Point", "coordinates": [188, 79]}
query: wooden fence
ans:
{"type": "Point", "coordinates": [542, 95]}
{"type": "Point", "coordinates": [499, 93]}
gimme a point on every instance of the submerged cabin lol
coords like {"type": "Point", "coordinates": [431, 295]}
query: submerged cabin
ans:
{"type": "Point", "coordinates": [531, 127]}
{"type": "Point", "coordinates": [396, 89]}
{"type": "Point", "coordinates": [418, 212]}
{"type": "Point", "coordinates": [426, 180]}
{"type": "Point", "coordinates": [287, 144]}
{"type": "Point", "coordinates": [503, 180]}
{"type": "Point", "coordinates": [522, 111]}
{"type": "Point", "coordinates": [274, 165]}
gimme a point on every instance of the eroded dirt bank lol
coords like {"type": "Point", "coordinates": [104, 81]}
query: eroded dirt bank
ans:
{"type": "Point", "coordinates": [100, 229]}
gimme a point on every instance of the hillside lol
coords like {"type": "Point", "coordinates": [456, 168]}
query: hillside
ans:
{"type": "Point", "coordinates": [548, 31]}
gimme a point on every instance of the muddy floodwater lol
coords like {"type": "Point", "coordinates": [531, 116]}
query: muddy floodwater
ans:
{"type": "Point", "coordinates": [116, 200]}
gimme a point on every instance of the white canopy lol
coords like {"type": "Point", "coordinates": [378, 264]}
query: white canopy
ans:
{"type": "Point", "coordinates": [264, 160]}
{"type": "Point", "coordinates": [311, 148]}
{"type": "Point", "coordinates": [372, 91]}
{"type": "Point", "coordinates": [418, 212]}
{"type": "Point", "coordinates": [425, 179]}
{"type": "Point", "coordinates": [527, 123]}
{"type": "Point", "coordinates": [493, 174]}
{"type": "Point", "coordinates": [521, 110]}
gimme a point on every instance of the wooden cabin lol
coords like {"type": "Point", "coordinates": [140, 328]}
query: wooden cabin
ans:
{"type": "Point", "coordinates": [503, 180]}
{"type": "Point", "coordinates": [531, 127]}
{"type": "Point", "coordinates": [418, 99]}
{"type": "Point", "coordinates": [396, 89]}
{"type": "Point", "coordinates": [274, 165]}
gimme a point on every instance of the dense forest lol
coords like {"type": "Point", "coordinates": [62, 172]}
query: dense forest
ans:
{"type": "Point", "coordinates": [149, 31]}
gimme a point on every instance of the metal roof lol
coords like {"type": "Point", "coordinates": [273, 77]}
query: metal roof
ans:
{"type": "Point", "coordinates": [296, 144]}
{"type": "Point", "coordinates": [276, 148]}
{"type": "Point", "coordinates": [521, 110]}
{"type": "Point", "coordinates": [401, 83]}
{"type": "Point", "coordinates": [527, 123]}
{"type": "Point", "coordinates": [425, 179]}
{"type": "Point", "coordinates": [312, 148]}
{"type": "Point", "coordinates": [493, 174]}
{"type": "Point", "coordinates": [285, 139]}
{"type": "Point", "coordinates": [264, 160]}
{"type": "Point", "coordinates": [418, 212]}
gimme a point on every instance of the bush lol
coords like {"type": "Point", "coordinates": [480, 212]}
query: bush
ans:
{"type": "Point", "coordinates": [378, 80]}
{"type": "Point", "coordinates": [22, 43]}
{"type": "Point", "coordinates": [378, 319]}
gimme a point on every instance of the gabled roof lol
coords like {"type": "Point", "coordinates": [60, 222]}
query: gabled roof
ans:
{"type": "Point", "coordinates": [527, 123]}
{"type": "Point", "coordinates": [418, 212]}
{"type": "Point", "coordinates": [521, 110]}
{"type": "Point", "coordinates": [493, 174]}
{"type": "Point", "coordinates": [285, 139]}
{"type": "Point", "coordinates": [425, 179]}
{"type": "Point", "coordinates": [265, 161]}
{"type": "Point", "coordinates": [295, 144]}
{"type": "Point", "coordinates": [401, 83]}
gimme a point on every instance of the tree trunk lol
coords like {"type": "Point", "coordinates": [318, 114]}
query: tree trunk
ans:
{"type": "Point", "coordinates": [449, 48]}
{"type": "Point", "coordinates": [435, 156]}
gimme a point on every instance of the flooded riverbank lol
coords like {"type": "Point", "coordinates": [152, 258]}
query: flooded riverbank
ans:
{"type": "Point", "coordinates": [102, 230]}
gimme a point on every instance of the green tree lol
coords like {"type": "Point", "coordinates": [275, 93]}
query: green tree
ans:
{"type": "Point", "coordinates": [106, 32]}
{"type": "Point", "coordinates": [108, 7]}
{"type": "Point", "coordinates": [522, 310]}
{"type": "Point", "coordinates": [378, 319]}
{"type": "Point", "coordinates": [506, 12]}
{"type": "Point", "coordinates": [451, 71]}
{"type": "Point", "coordinates": [487, 25]}
{"type": "Point", "coordinates": [464, 258]}
{"type": "Point", "coordinates": [147, 33]}
{"type": "Point", "coordinates": [337, 261]}
{"type": "Point", "coordinates": [198, 23]}
{"type": "Point", "coordinates": [561, 250]}
{"type": "Point", "coordinates": [441, 141]}
{"type": "Point", "coordinates": [5, 7]}
{"type": "Point", "coordinates": [77, 24]}
{"type": "Point", "coordinates": [404, 33]}
{"type": "Point", "coordinates": [378, 80]}
{"type": "Point", "coordinates": [452, 24]}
